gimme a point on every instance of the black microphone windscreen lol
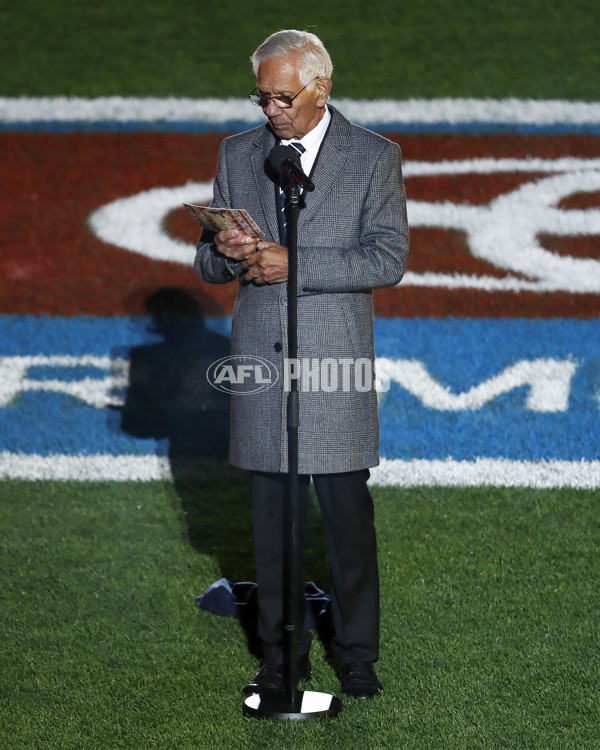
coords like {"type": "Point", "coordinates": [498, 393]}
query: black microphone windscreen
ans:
{"type": "Point", "coordinates": [279, 154]}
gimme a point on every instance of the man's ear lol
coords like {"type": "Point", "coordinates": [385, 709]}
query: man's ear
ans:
{"type": "Point", "coordinates": [324, 89]}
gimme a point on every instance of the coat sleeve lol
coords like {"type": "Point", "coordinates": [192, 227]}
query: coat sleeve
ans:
{"type": "Point", "coordinates": [209, 264]}
{"type": "Point", "coordinates": [377, 257]}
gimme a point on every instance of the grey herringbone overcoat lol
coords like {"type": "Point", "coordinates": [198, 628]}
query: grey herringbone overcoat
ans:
{"type": "Point", "coordinates": [352, 238]}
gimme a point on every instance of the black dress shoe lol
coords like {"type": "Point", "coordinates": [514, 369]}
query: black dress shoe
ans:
{"type": "Point", "coordinates": [271, 677]}
{"type": "Point", "coordinates": [359, 680]}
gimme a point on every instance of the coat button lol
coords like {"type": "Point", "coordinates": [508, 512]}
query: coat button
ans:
{"type": "Point", "coordinates": [278, 346]}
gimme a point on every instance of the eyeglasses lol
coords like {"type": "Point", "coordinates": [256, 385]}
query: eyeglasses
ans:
{"type": "Point", "coordinates": [279, 100]}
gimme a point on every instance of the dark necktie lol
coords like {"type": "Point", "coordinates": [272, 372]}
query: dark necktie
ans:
{"type": "Point", "coordinates": [282, 197]}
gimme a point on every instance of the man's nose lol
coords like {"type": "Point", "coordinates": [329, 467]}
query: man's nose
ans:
{"type": "Point", "coordinates": [271, 109]}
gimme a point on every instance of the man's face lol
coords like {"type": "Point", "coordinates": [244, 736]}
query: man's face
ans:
{"type": "Point", "coordinates": [280, 75]}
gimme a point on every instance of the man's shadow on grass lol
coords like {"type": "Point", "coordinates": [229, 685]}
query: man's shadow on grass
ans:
{"type": "Point", "coordinates": [169, 398]}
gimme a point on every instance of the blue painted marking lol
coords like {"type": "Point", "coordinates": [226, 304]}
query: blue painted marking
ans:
{"type": "Point", "coordinates": [459, 354]}
{"type": "Point", "coordinates": [236, 126]}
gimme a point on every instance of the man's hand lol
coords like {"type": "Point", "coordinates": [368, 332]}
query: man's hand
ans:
{"type": "Point", "coordinates": [268, 265]}
{"type": "Point", "coordinates": [235, 244]}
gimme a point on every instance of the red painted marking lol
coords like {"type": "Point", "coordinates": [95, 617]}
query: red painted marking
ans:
{"type": "Point", "coordinates": [52, 264]}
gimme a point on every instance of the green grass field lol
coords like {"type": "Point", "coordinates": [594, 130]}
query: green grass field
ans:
{"type": "Point", "coordinates": [490, 623]}
{"type": "Point", "coordinates": [382, 48]}
{"type": "Point", "coordinates": [490, 596]}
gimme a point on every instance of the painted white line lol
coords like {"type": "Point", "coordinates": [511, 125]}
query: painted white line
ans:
{"type": "Point", "coordinates": [391, 472]}
{"type": "Point", "coordinates": [124, 109]}
{"type": "Point", "coordinates": [385, 112]}
{"type": "Point", "coordinates": [484, 283]}
{"type": "Point", "coordinates": [458, 111]}
{"type": "Point", "coordinates": [492, 166]}
{"type": "Point", "coordinates": [101, 468]}
{"type": "Point", "coordinates": [497, 472]}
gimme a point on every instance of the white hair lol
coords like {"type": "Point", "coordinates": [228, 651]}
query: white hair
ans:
{"type": "Point", "coordinates": [314, 61]}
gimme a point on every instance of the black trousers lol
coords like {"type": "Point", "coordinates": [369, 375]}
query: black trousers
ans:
{"type": "Point", "coordinates": [348, 522]}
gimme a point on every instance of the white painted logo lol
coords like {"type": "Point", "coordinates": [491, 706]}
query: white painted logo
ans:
{"type": "Point", "coordinates": [65, 374]}
{"type": "Point", "coordinates": [548, 380]}
{"type": "Point", "coordinates": [504, 232]}
{"type": "Point", "coordinates": [136, 223]}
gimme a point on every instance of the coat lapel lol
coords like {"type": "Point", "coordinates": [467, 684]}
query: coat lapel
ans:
{"type": "Point", "coordinates": [265, 187]}
{"type": "Point", "coordinates": [332, 160]}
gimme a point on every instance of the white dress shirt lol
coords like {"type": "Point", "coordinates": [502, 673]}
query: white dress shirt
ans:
{"type": "Point", "coordinates": [311, 142]}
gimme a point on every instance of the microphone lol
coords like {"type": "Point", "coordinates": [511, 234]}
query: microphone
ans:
{"type": "Point", "coordinates": [284, 162]}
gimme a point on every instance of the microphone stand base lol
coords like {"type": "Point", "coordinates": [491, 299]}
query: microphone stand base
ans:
{"type": "Point", "coordinates": [277, 705]}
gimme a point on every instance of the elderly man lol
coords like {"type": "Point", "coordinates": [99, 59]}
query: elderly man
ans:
{"type": "Point", "coordinates": [352, 238]}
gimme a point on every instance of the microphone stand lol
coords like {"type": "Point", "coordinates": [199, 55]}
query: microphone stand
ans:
{"type": "Point", "coordinates": [292, 703]}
